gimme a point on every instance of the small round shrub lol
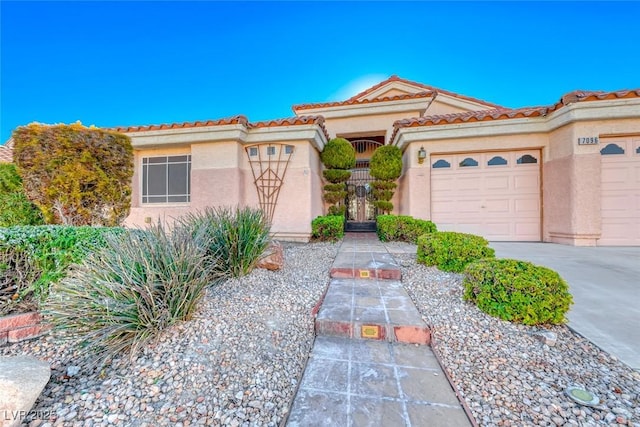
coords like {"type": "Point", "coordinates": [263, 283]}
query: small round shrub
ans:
{"type": "Point", "coordinates": [336, 176]}
{"type": "Point", "coordinates": [402, 228]}
{"type": "Point", "coordinates": [517, 291]}
{"type": "Point", "coordinates": [386, 163]}
{"type": "Point", "coordinates": [327, 228]}
{"type": "Point", "coordinates": [451, 251]}
{"type": "Point", "coordinates": [338, 154]}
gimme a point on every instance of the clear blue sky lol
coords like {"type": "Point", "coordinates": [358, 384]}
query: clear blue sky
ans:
{"type": "Point", "coordinates": [137, 63]}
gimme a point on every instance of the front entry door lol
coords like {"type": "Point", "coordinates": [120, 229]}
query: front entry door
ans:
{"type": "Point", "coordinates": [361, 212]}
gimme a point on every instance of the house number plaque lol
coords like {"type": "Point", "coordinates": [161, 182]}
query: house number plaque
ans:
{"type": "Point", "coordinates": [588, 140]}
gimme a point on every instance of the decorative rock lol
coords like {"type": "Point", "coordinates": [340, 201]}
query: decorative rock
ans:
{"type": "Point", "coordinates": [547, 337]}
{"type": "Point", "coordinates": [72, 370]}
{"type": "Point", "coordinates": [274, 258]}
{"type": "Point", "coordinates": [22, 379]}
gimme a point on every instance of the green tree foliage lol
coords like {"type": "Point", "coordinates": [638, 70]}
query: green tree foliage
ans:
{"type": "Point", "coordinates": [16, 208]}
{"type": "Point", "coordinates": [338, 157]}
{"type": "Point", "coordinates": [74, 174]}
{"type": "Point", "coordinates": [386, 167]}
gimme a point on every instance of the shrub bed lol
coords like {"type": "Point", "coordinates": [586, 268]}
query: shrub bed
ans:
{"type": "Point", "coordinates": [33, 257]}
{"type": "Point", "coordinates": [451, 251]}
{"type": "Point", "coordinates": [402, 228]}
{"type": "Point", "coordinates": [328, 228]}
{"type": "Point", "coordinates": [517, 291]}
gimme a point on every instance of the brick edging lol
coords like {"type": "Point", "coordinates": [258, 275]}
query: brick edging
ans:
{"type": "Point", "coordinates": [19, 327]}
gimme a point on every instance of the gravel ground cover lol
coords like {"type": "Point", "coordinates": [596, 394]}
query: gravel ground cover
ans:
{"type": "Point", "coordinates": [507, 376]}
{"type": "Point", "coordinates": [237, 363]}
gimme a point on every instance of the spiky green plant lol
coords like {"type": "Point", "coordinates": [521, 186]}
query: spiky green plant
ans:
{"type": "Point", "coordinates": [239, 235]}
{"type": "Point", "coordinates": [140, 283]}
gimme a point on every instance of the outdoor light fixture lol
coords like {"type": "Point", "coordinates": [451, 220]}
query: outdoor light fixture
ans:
{"type": "Point", "coordinates": [422, 154]}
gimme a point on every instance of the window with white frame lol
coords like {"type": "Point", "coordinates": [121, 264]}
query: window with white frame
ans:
{"type": "Point", "coordinates": [166, 179]}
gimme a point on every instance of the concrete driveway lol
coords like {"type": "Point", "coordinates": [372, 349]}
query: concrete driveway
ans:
{"type": "Point", "coordinates": [605, 283]}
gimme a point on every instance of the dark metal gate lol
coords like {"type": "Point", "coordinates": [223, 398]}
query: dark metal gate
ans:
{"type": "Point", "coordinates": [361, 211]}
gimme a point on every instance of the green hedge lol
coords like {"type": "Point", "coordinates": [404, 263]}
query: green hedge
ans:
{"type": "Point", "coordinates": [16, 208]}
{"type": "Point", "coordinates": [517, 291]}
{"type": "Point", "coordinates": [49, 250]}
{"type": "Point", "coordinates": [402, 228]}
{"type": "Point", "coordinates": [330, 227]}
{"type": "Point", "coordinates": [451, 251]}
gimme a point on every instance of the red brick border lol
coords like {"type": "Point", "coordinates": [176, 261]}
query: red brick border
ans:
{"type": "Point", "coordinates": [20, 327]}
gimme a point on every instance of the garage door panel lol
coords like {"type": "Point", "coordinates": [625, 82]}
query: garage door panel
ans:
{"type": "Point", "coordinates": [498, 206]}
{"type": "Point", "coordinates": [498, 201]}
{"type": "Point", "coordinates": [526, 182]}
{"type": "Point", "coordinates": [497, 183]}
{"type": "Point", "coordinates": [527, 206]}
{"type": "Point", "coordinates": [620, 193]}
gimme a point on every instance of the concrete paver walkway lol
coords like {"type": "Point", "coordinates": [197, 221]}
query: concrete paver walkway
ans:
{"type": "Point", "coordinates": [370, 365]}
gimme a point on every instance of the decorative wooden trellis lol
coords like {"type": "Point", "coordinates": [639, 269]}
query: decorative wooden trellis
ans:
{"type": "Point", "coordinates": [269, 165]}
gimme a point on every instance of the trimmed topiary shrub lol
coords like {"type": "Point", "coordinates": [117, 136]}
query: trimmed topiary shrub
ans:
{"type": "Point", "coordinates": [336, 176]}
{"type": "Point", "coordinates": [338, 157]}
{"type": "Point", "coordinates": [330, 227]}
{"type": "Point", "coordinates": [16, 208]}
{"type": "Point", "coordinates": [517, 291]}
{"type": "Point", "coordinates": [386, 167]}
{"type": "Point", "coordinates": [139, 284]}
{"type": "Point", "coordinates": [402, 228]}
{"type": "Point", "coordinates": [32, 258]}
{"type": "Point", "coordinates": [74, 174]}
{"type": "Point", "coordinates": [451, 251]}
{"type": "Point", "coordinates": [338, 154]}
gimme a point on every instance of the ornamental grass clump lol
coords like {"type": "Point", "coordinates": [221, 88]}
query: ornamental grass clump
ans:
{"type": "Point", "coordinates": [238, 236]}
{"type": "Point", "coordinates": [451, 251]}
{"type": "Point", "coordinates": [517, 291]}
{"type": "Point", "coordinates": [125, 294]}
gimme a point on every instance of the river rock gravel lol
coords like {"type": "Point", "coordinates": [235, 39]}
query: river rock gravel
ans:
{"type": "Point", "coordinates": [507, 373]}
{"type": "Point", "coordinates": [236, 363]}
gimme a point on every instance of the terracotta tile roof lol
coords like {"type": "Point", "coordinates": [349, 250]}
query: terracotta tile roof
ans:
{"type": "Point", "coordinates": [220, 122]}
{"type": "Point", "coordinates": [293, 121]}
{"type": "Point", "coordinates": [350, 101]}
{"type": "Point", "coordinates": [6, 152]}
{"type": "Point", "coordinates": [242, 120]}
{"type": "Point", "coordinates": [289, 121]}
{"type": "Point", "coordinates": [473, 116]}
{"type": "Point", "coordinates": [395, 78]}
{"type": "Point", "coordinates": [505, 113]}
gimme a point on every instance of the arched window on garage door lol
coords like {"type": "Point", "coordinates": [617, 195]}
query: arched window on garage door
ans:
{"type": "Point", "coordinates": [527, 158]}
{"type": "Point", "coordinates": [612, 149]}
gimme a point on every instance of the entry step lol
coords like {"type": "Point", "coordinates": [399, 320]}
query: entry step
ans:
{"type": "Point", "coordinates": [366, 265]}
{"type": "Point", "coordinates": [371, 309]}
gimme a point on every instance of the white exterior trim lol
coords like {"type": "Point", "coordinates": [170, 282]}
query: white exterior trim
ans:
{"type": "Point", "coordinates": [580, 111]}
{"type": "Point", "coordinates": [370, 108]}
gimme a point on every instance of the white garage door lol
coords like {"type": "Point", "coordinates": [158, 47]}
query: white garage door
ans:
{"type": "Point", "coordinates": [495, 195]}
{"type": "Point", "coordinates": [620, 188]}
